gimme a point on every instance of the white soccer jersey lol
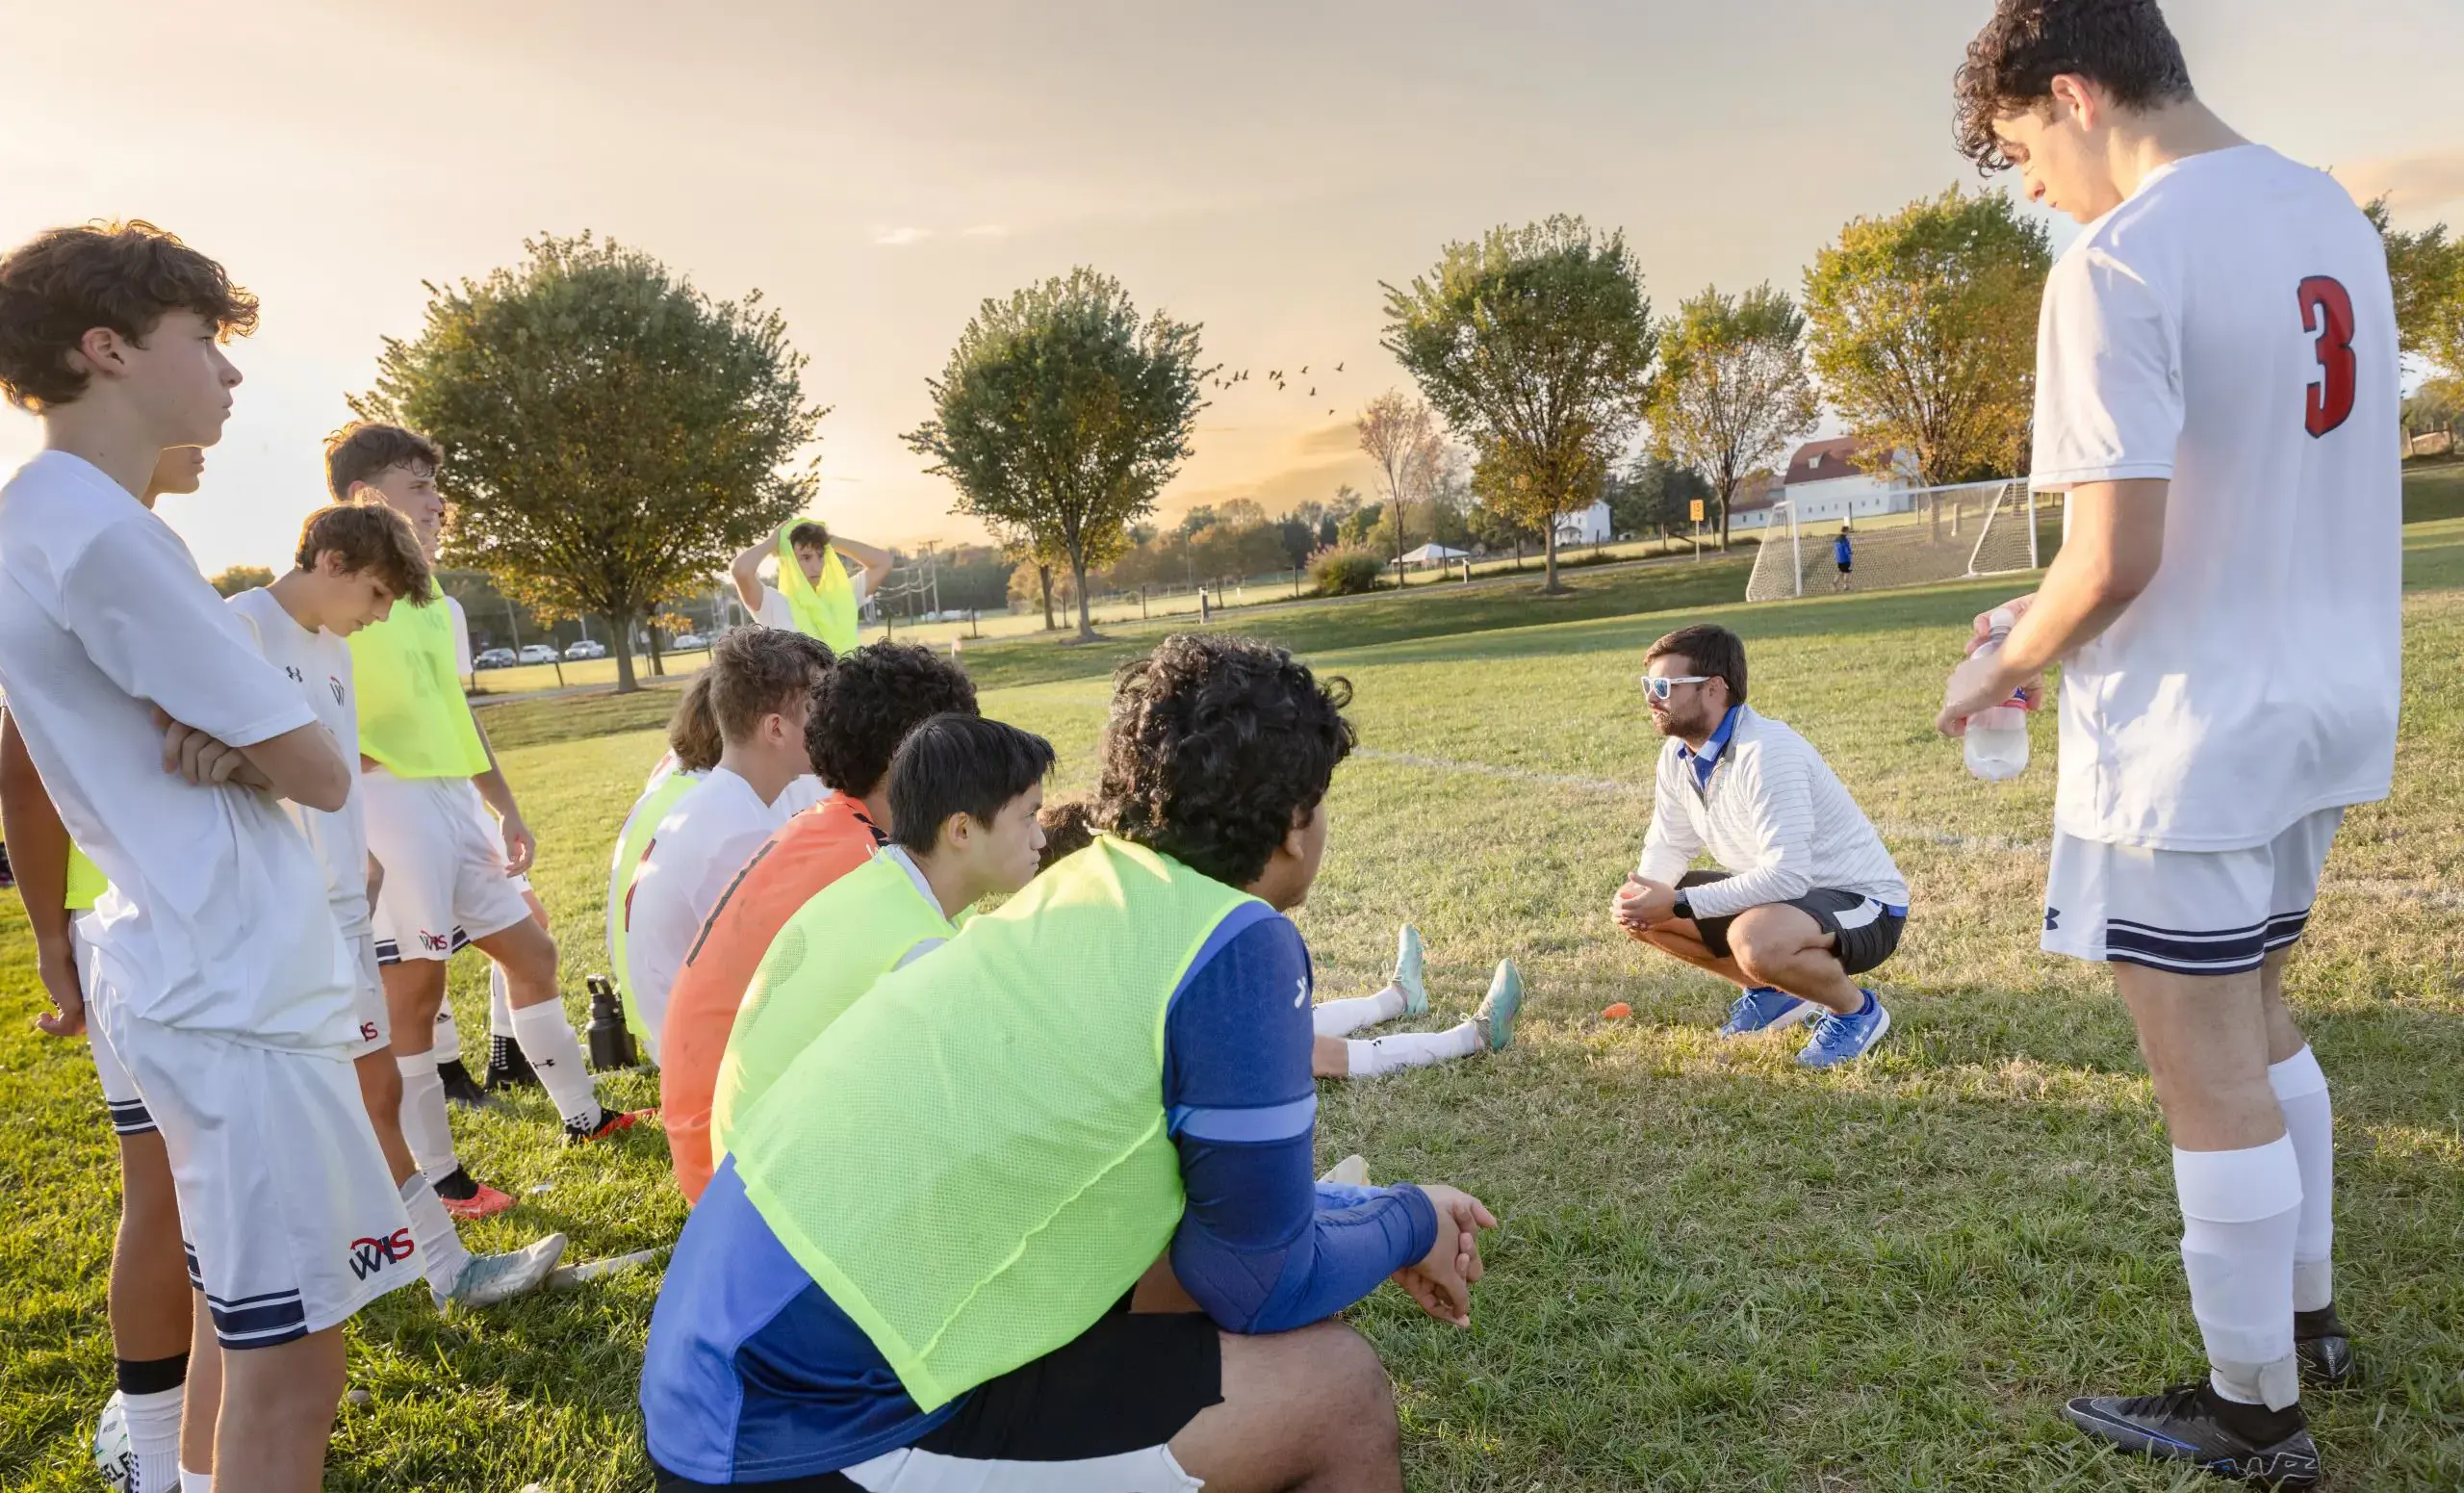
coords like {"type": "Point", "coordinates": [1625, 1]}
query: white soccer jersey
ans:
{"type": "Point", "coordinates": [318, 663]}
{"type": "Point", "coordinates": [701, 845]}
{"type": "Point", "coordinates": [2231, 328]}
{"type": "Point", "coordinates": [216, 921]}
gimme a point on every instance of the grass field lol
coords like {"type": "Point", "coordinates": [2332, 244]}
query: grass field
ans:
{"type": "Point", "coordinates": [1716, 1271]}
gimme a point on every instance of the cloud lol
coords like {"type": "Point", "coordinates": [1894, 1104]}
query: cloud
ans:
{"type": "Point", "coordinates": [2412, 183]}
{"type": "Point", "coordinates": [900, 238]}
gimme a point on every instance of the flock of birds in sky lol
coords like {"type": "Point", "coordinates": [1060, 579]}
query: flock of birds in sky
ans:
{"type": "Point", "coordinates": [1274, 375]}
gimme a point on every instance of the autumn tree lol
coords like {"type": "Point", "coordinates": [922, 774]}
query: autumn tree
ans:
{"type": "Point", "coordinates": [1061, 415]}
{"type": "Point", "coordinates": [611, 434]}
{"type": "Point", "coordinates": [1923, 327]}
{"type": "Point", "coordinates": [1534, 344]}
{"type": "Point", "coordinates": [2426, 268]}
{"type": "Point", "coordinates": [236, 578]}
{"type": "Point", "coordinates": [1732, 393]}
{"type": "Point", "coordinates": [1400, 434]}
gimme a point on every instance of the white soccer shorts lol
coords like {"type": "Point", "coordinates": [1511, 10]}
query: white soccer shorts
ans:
{"type": "Point", "coordinates": [289, 1217]}
{"type": "Point", "coordinates": [368, 1001]}
{"type": "Point", "coordinates": [2186, 912]}
{"type": "Point", "coordinates": [120, 1099]}
{"type": "Point", "coordinates": [444, 882]}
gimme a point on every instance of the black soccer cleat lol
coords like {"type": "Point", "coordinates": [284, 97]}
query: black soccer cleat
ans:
{"type": "Point", "coordinates": [2191, 1423]}
{"type": "Point", "coordinates": [2326, 1351]}
{"type": "Point", "coordinates": [507, 1066]}
{"type": "Point", "coordinates": [460, 1087]}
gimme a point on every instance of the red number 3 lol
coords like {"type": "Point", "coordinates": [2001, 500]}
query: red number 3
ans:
{"type": "Point", "coordinates": [2326, 311]}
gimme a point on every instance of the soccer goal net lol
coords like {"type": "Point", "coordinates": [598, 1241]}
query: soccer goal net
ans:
{"type": "Point", "coordinates": [1939, 533]}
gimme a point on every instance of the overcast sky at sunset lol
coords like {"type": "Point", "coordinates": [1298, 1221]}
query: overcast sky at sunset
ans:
{"type": "Point", "coordinates": [878, 170]}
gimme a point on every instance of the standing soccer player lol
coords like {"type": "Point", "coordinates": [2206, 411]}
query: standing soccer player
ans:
{"type": "Point", "coordinates": [819, 594]}
{"type": "Point", "coordinates": [2217, 390]}
{"type": "Point", "coordinates": [166, 743]}
{"type": "Point", "coordinates": [427, 773]}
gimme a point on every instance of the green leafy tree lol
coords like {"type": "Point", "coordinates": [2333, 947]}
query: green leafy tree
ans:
{"type": "Point", "coordinates": [2426, 268]}
{"type": "Point", "coordinates": [1061, 414]}
{"type": "Point", "coordinates": [611, 434]}
{"type": "Point", "coordinates": [1731, 392]}
{"type": "Point", "coordinates": [1655, 495]}
{"type": "Point", "coordinates": [1923, 326]}
{"type": "Point", "coordinates": [1534, 344]}
{"type": "Point", "coordinates": [237, 578]}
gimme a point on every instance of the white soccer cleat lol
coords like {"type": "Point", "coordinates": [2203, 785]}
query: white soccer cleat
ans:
{"type": "Point", "coordinates": [114, 1458]}
{"type": "Point", "coordinates": [1409, 962]}
{"type": "Point", "coordinates": [490, 1278]}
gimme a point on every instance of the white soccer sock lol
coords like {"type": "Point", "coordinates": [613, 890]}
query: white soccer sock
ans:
{"type": "Point", "coordinates": [424, 1126]}
{"type": "Point", "coordinates": [1410, 1049]}
{"type": "Point", "coordinates": [2301, 1090]}
{"type": "Point", "coordinates": [195, 1482]}
{"type": "Point", "coordinates": [2240, 1211]}
{"type": "Point", "coordinates": [548, 1041]}
{"type": "Point", "coordinates": [1343, 1017]}
{"type": "Point", "coordinates": [500, 1002]}
{"type": "Point", "coordinates": [448, 1045]}
{"type": "Point", "coordinates": [154, 1437]}
{"type": "Point", "coordinates": [440, 1249]}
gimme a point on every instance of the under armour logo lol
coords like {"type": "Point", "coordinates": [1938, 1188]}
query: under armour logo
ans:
{"type": "Point", "coordinates": [296, 677]}
{"type": "Point", "coordinates": [2052, 918]}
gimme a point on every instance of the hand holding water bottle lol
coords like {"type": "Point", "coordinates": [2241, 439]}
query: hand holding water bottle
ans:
{"type": "Point", "coordinates": [1981, 703]}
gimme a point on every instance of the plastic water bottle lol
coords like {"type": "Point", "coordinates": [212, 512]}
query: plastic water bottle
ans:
{"type": "Point", "coordinates": [1998, 738]}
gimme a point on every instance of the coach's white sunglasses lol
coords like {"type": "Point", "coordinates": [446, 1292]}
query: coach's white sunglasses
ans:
{"type": "Point", "coordinates": [1660, 688]}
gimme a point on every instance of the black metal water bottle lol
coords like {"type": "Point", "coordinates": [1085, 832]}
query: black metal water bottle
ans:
{"type": "Point", "coordinates": [611, 1042]}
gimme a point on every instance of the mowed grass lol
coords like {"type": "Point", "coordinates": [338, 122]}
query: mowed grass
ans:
{"type": "Point", "coordinates": [1716, 1271]}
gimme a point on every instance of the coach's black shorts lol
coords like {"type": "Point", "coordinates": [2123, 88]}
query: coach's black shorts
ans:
{"type": "Point", "coordinates": [1128, 1383]}
{"type": "Point", "coordinates": [1867, 933]}
{"type": "Point", "coordinates": [1843, 567]}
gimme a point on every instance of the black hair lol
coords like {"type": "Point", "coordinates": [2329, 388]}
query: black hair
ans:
{"type": "Point", "coordinates": [1069, 828]}
{"type": "Point", "coordinates": [867, 705]}
{"type": "Point", "coordinates": [960, 764]}
{"type": "Point", "coordinates": [1217, 747]}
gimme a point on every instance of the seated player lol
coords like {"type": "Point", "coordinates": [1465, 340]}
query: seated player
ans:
{"type": "Point", "coordinates": [912, 1271]}
{"type": "Point", "coordinates": [1068, 827]}
{"type": "Point", "coordinates": [866, 706]}
{"type": "Point", "coordinates": [762, 682]}
{"type": "Point", "coordinates": [1807, 898]}
{"type": "Point", "coordinates": [964, 794]}
{"type": "Point", "coordinates": [693, 747]}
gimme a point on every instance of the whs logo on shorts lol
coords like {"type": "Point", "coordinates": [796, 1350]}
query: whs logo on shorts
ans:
{"type": "Point", "coordinates": [435, 942]}
{"type": "Point", "coordinates": [367, 1256]}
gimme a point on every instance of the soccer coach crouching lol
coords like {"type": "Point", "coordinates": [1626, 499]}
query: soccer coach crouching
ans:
{"type": "Point", "coordinates": [1806, 897]}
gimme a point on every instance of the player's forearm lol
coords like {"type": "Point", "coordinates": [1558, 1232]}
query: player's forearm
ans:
{"type": "Point", "coordinates": [38, 842]}
{"type": "Point", "coordinates": [1348, 1243]}
{"type": "Point", "coordinates": [304, 766]}
{"type": "Point", "coordinates": [746, 570]}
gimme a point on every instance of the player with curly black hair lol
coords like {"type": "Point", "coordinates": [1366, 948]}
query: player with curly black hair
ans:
{"type": "Point", "coordinates": [912, 1255]}
{"type": "Point", "coordinates": [865, 706]}
{"type": "Point", "coordinates": [2216, 362]}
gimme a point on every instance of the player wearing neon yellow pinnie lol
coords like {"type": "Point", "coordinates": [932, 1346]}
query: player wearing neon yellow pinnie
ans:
{"type": "Point", "coordinates": [816, 593]}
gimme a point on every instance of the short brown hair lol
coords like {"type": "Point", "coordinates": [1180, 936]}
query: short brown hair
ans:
{"type": "Point", "coordinates": [365, 450]}
{"type": "Point", "coordinates": [1710, 650]}
{"type": "Point", "coordinates": [1069, 828]}
{"type": "Point", "coordinates": [373, 539]}
{"type": "Point", "coordinates": [693, 731]}
{"type": "Point", "coordinates": [756, 670]}
{"type": "Point", "coordinates": [2123, 46]}
{"type": "Point", "coordinates": [65, 282]}
{"type": "Point", "coordinates": [811, 534]}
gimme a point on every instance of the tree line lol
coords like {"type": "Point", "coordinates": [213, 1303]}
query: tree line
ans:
{"type": "Point", "coordinates": [613, 434]}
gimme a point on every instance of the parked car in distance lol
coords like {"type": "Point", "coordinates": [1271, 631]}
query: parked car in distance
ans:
{"type": "Point", "coordinates": [686, 642]}
{"type": "Point", "coordinates": [494, 659]}
{"type": "Point", "coordinates": [538, 653]}
{"type": "Point", "coordinates": [585, 649]}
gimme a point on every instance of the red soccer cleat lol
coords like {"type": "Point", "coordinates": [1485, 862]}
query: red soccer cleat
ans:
{"type": "Point", "coordinates": [486, 1202]}
{"type": "Point", "coordinates": [611, 1123]}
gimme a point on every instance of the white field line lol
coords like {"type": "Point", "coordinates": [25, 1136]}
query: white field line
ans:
{"type": "Point", "coordinates": [1897, 833]}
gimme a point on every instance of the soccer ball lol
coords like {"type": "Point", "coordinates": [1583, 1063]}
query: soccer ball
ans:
{"type": "Point", "coordinates": [112, 1456]}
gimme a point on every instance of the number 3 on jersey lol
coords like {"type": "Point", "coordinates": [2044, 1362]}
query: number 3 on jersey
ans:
{"type": "Point", "coordinates": [2326, 313]}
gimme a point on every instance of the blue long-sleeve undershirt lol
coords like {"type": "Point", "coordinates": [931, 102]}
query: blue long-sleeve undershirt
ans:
{"type": "Point", "coordinates": [1260, 1245]}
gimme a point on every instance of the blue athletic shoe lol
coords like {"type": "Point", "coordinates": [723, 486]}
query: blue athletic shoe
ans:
{"type": "Point", "coordinates": [1764, 1009]}
{"type": "Point", "coordinates": [1839, 1038]}
{"type": "Point", "coordinates": [1407, 971]}
{"type": "Point", "coordinates": [1497, 1009]}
